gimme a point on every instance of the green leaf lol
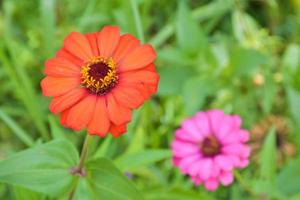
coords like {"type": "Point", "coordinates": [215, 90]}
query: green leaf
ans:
{"type": "Point", "coordinates": [246, 61]}
{"type": "Point", "coordinates": [291, 57]}
{"type": "Point", "coordinates": [17, 130]}
{"type": "Point", "coordinates": [189, 35]}
{"type": "Point", "coordinates": [294, 103]}
{"type": "Point", "coordinates": [288, 181]}
{"type": "Point", "coordinates": [105, 181]}
{"type": "Point", "coordinates": [56, 130]}
{"type": "Point", "coordinates": [268, 94]}
{"type": "Point", "coordinates": [103, 149]}
{"type": "Point", "coordinates": [176, 194]}
{"type": "Point", "coordinates": [173, 79]}
{"type": "Point", "coordinates": [47, 17]}
{"type": "Point", "coordinates": [134, 160]}
{"type": "Point", "coordinates": [266, 183]}
{"type": "Point", "coordinates": [44, 168]}
{"type": "Point", "coordinates": [195, 91]}
{"type": "Point", "coordinates": [25, 194]}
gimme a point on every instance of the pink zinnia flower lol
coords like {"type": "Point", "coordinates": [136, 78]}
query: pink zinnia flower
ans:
{"type": "Point", "coordinates": [209, 146]}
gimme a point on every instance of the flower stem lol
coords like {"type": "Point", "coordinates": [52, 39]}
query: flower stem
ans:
{"type": "Point", "coordinates": [78, 170]}
{"type": "Point", "coordinates": [84, 151]}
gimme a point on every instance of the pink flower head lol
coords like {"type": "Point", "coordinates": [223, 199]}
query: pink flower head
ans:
{"type": "Point", "coordinates": [209, 146]}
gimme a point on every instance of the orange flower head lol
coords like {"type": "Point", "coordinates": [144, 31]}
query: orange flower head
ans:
{"type": "Point", "coordinates": [97, 79]}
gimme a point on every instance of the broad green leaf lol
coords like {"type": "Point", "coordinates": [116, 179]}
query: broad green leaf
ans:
{"type": "Point", "coordinates": [172, 79]}
{"type": "Point", "coordinates": [266, 183]}
{"type": "Point", "coordinates": [141, 158]}
{"type": "Point", "coordinates": [288, 181]}
{"type": "Point", "coordinates": [105, 181]}
{"type": "Point", "coordinates": [25, 194]}
{"type": "Point", "coordinates": [189, 35]}
{"type": "Point", "coordinates": [44, 168]}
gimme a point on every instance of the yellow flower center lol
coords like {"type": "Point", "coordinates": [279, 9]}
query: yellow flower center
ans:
{"type": "Point", "coordinates": [99, 75]}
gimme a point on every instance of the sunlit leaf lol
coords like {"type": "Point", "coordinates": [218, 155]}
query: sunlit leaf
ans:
{"type": "Point", "coordinates": [44, 168]}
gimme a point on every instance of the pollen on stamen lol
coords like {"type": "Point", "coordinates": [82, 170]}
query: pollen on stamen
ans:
{"type": "Point", "coordinates": [99, 75]}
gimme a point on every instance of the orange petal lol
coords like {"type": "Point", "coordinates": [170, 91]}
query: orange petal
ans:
{"type": "Point", "coordinates": [60, 103]}
{"type": "Point", "coordinates": [139, 76]}
{"type": "Point", "coordinates": [150, 67]}
{"type": "Point", "coordinates": [129, 97]}
{"type": "Point", "coordinates": [117, 114]}
{"type": "Point", "coordinates": [138, 58]}
{"type": "Point", "coordinates": [126, 44]}
{"type": "Point", "coordinates": [63, 117]}
{"type": "Point", "coordinates": [81, 113]}
{"type": "Point", "coordinates": [99, 123]}
{"type": "Point", "coordinates": [108, 40]}
{"type": "Point", "coordinates": [78, 45]}
{"type": "Point", "coordinates": [61, 67]}
{"type": "Point", "coordinates": [54, 86]}
{"type": "Point", "coordinates": [63, 53]}
{"type": "Point", "coordinates": [116, 131]}
{"type": "Point", "coordinates": [92, 38]}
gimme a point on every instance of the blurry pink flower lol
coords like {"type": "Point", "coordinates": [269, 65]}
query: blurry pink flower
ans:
{"type": "Point", "coordinates": [208, 146]}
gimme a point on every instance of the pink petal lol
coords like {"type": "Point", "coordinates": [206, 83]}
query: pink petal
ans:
{"type": "Point", "coordinates": [211, 184]}
{"type": "Point", "coordinates": [215, 117]}
{"type": "Point", "coordinates": [183, 135]}
{"type": "Point", "coordinates": [205, 170]}
{"type": "Point", "coordinates": [242, 163]}
{"type": "Point", "coordinates": [226, 126]}
{"type": "Point", "coordinates": [181, 148]}
{"type": "Point", "coordinates": [215, 170]}
{"type": "Point", "coordinates": [226, 178]}
{"type": "Point", "coordinates": [244, 135]}
{"type": "Point", "coordinates": [196, 180]}
{"type": "Point", "coordinates": [185, 163]}
{"type": "Point", "coordinates": [176, 161]}
{"type": "Point", "coordinates": [224, 162]}
{"type": "Point", "coordinates": [236, 149]}
{"type": "Point", "coordinates": [191, 128]}
{"type": "Point", "coordinates": [233, 137]}
{"type": "Point", "coordinates": [238, 161]}
{"type": "Point", "coordinates": [237, 121]}
{"type": "Point", "coordinates": [194, 169]}
{"type": "Point", "coordinates": [203, 123]}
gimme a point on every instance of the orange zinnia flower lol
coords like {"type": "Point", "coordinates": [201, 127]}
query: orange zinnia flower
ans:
{"type": "Point", "coordinates": [98, 78]}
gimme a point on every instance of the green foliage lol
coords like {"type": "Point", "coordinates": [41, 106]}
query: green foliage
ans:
{"type": "Point", "coordinates": [104, 181]}
{"type": "Point", "coordinates": [44, 168]}
{"type": "Point", "coordinates": [288, 179]}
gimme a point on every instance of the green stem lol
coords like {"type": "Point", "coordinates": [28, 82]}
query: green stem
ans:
{"type": "Point", "coordinates": [137, 20]}
{"type": "Point", "coordinates": [84, 151]}
{"type": "Point", "coordinates": [79, 171]}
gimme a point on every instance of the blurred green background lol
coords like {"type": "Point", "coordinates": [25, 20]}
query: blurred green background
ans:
{"type": "Point", "coordinates": [242, 56]}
